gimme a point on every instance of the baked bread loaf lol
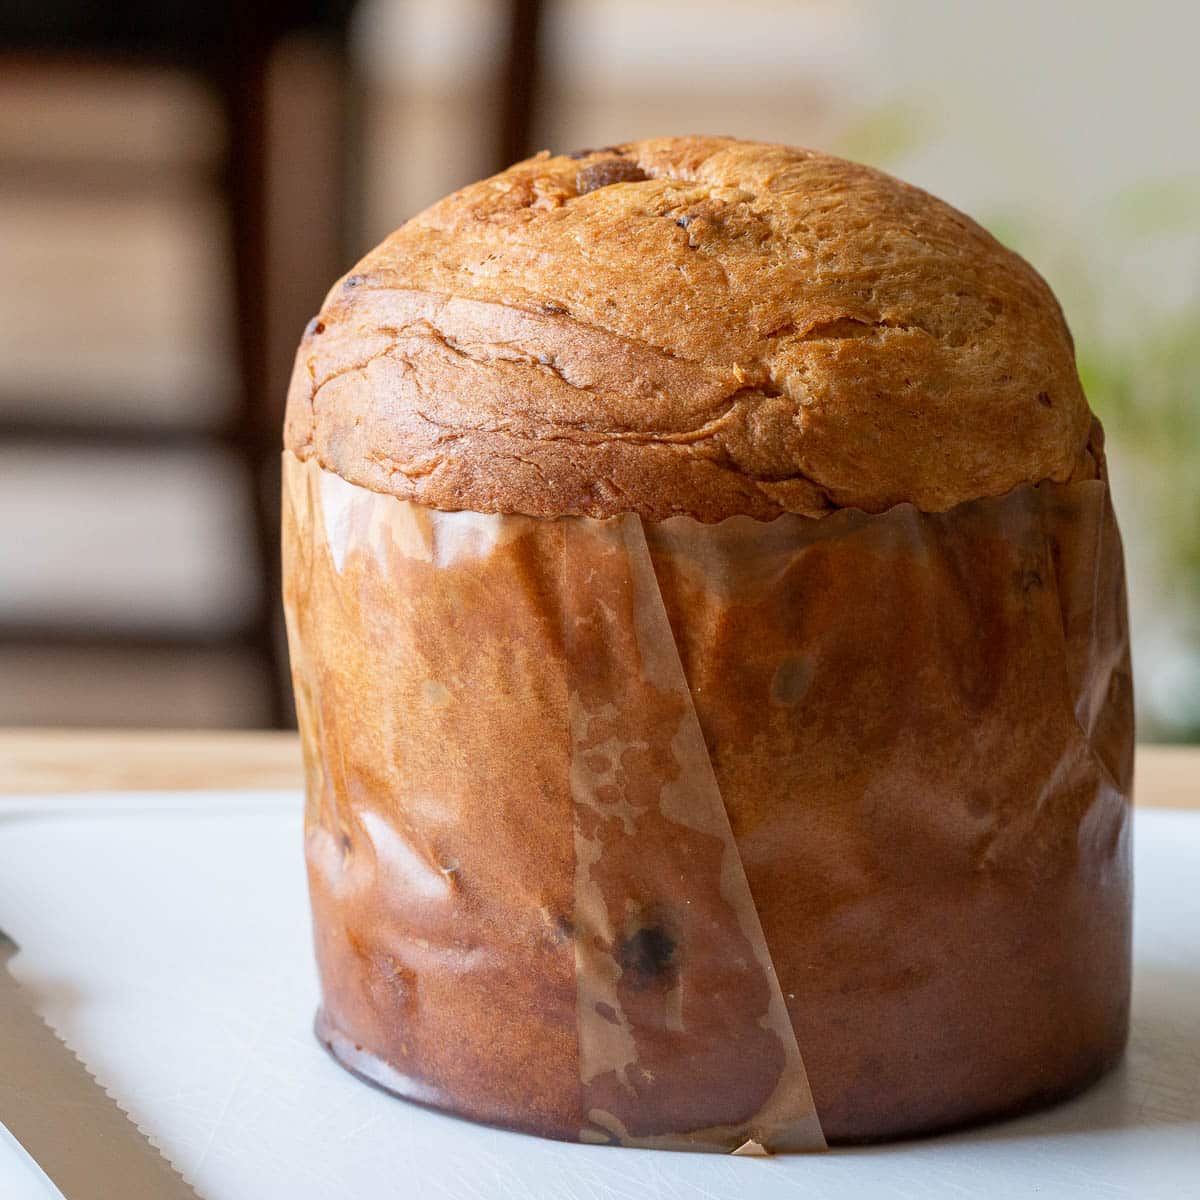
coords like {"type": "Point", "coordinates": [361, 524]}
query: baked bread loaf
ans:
{"type": "Point", "coordinates": [708, 630]}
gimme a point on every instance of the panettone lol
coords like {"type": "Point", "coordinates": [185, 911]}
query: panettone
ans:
{"type": "Point", "coordinates": [708, 630]}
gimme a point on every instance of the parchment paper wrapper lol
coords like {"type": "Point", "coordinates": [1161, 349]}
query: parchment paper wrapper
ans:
{"type": "Point", "coordinates": [616, 828]}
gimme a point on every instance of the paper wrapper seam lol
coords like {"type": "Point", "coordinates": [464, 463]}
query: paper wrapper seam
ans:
{"type": "Point", "coordinates": [616, 550]}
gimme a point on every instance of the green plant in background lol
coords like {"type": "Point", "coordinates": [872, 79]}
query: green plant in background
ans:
{"type": "Point", "coordinates": [1159, 207]}
{"type": "Point", "coordinates": [1148, 396]}
{"type": "Point", "coordinates": [1149, 399]}
{"type": "Point", "coordinates": [882, 136]}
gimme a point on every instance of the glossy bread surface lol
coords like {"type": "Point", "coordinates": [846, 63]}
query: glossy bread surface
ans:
{"type": "Point", "coordinates": [570, 780]}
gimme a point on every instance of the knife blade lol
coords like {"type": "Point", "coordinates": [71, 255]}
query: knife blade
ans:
{"type": "Point", "coordinates": [74, 1130]}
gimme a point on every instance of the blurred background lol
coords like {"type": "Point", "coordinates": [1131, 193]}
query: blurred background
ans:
{"type": "Point", "coordinates": [180, 183]}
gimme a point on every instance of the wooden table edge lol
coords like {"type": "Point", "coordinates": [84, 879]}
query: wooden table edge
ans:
{"type": "Point", "coordinates": [87, 760]}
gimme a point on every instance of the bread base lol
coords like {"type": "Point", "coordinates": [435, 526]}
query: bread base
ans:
{"type": "Point", "coordinates": [364, 1065]}
{"type": "Point", "coordinates": [680, 836]}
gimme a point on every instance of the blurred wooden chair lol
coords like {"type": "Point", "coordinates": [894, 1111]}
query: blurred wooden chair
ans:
{"type": "Point", "coordinates": [281, 73]}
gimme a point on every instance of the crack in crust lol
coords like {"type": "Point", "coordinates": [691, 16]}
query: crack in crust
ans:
{"type": "Point", "coordinates": [693, 325]}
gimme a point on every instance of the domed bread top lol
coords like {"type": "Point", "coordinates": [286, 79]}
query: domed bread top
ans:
{"type": "Point", "coordinates": [690, 325]}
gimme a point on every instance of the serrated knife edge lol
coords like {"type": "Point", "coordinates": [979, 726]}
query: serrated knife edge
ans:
{"type": "Point", "coordinates": [73, 1128]}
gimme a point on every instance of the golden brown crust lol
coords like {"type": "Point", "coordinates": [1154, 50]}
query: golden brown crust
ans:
{"type": "Point", "coordinates": [690, 325]}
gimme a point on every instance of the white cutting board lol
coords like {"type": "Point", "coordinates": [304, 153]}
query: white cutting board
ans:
{"type": "Point", "coordinates": [166, 936]}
